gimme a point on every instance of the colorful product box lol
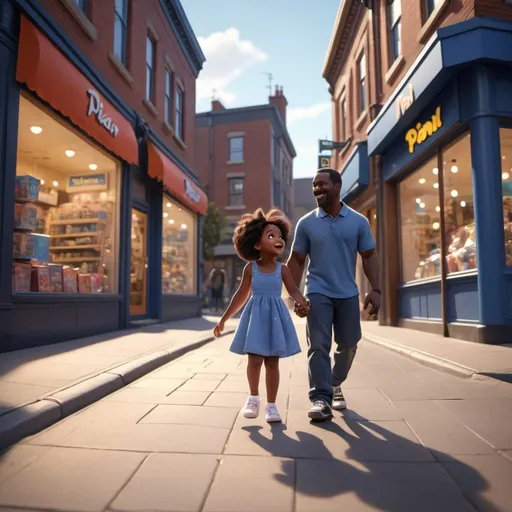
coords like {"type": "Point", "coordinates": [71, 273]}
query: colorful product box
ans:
{"type": "Point", "coordinates": [41, 247]}
{"type": "Point", "coordinates": [41, 279]}
{"type": "Point", "coordinates": [23, 246]}
{"type": "Point", "coordinates": [84, 283]}
{"type": "Point", "coordinates": [56, 278]}
{"type": "Point", "coordinates": [96, 281]}
{"type": "Point", "coordinates": [21, 277]}
{"type": "Point", "coordinates": [70, 283]}
{"type": "Point", "coordinates": [25, 216]}
{"type": "Point", "coordinates": [27, 188]}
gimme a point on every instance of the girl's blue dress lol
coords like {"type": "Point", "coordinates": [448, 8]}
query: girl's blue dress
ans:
{"type": "Point", "coordinates": [266, 327]}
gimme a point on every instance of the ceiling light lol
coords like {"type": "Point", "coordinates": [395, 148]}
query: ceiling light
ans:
{"type": "Point", "coordinates": [454, 193]}
{"type": "Point", "coordinates": [438, 209]}
{"type": "Point", "coordinates": [503, 157]}
{"type": "Point", "coordinates": [454, 169]}
{"type": "Point", "coordinates": [42, 182]}
{"type": "Point", "coordinates": [168, 205]}
{"type": "Point", "coordinates": [183, 226]}
{"type": "Point", "coordinates": [435, 170]}
{"type": "Point", "coordinates": [418, 200]}
{"type": "Point", "coordinates": [435, 225]}
{"type": "Point", "coordinates": [93, 167]}
{"type": "Point", "coordinates": [36, 130]}
{"type": "Point", "coordinates": [55, 184]}
{"type": "Point", "coordinates": [422, 205]}
{"type": "Point", "coordinates": [436, 185]}
{"type": "Point", "coordinates": [166, 214]}
{"type": "Point", "coordinates": [422, 181]}
{"type": "Point", "coordinates": [505, 176]}
{"type": "Point", "coordinates": [69, 153]}
{"type": "Point", "coordinates": [171, 221]}
{"type": "Point", "coordinates": [463, 204]}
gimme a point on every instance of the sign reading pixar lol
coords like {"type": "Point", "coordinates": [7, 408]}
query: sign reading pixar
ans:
{"type": "Point", "coordinates": [422, 131]}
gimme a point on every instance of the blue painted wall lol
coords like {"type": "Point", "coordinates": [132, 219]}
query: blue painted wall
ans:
{"type": "Point", "coordinates": [356, 173]}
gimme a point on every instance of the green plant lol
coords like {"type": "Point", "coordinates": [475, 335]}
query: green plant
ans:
{"type": "Point", "coordinates": [213, 230]}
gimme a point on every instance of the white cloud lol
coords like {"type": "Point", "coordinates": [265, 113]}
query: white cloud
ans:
{"type": "Point", "coordinates": [227, 57]}
{"type": "Point", "coordinates": [296, 114]}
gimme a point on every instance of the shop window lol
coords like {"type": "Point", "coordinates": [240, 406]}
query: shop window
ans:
{"type": "Point", "coordinates": [179, 249]}
{"type": "Point", "coordinates": [236, 149]}
{"type": "Point", "coordinates": [506, 177]}
{"type": "Point", "coordinates": [66, 210]}
{"type": "Point", "coordinates": [83, 5]}
{"type": "Point", "coordinates": [459, 213]}
{"type": "Point", "coordinates": [236, 191]}
{"type": "Point", "coordinates": [120, 30]}
{"type": "Point", "coordinates": [180, 114]}
{"type": "Point", "coordinates": [420, 223]}
{"type": "Point", "coordinates": [362, 83]}
{"type": "Point", "coordinates": [150, 69]}
{"type": "Point", "coordinates": [430, 7]}
{"type": "Point", "coordinates": [168, 97]}
{"type": "Point", "coordinates": [395, 28]}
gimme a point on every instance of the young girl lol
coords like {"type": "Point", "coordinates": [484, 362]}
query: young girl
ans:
{"type": "Point", "coordinates": [266, 331]}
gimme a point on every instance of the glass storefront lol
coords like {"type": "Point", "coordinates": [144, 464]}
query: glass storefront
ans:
{"type": "Point", "coordinates": [179, 249]}
{"type": "Point", "coordinates": [506, 177]}
{"type": "Point", "coordinates": [66, 211]}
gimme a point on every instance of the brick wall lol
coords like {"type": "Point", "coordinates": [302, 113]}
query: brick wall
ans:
{"type": "Point", "coordinates": [143, 16]}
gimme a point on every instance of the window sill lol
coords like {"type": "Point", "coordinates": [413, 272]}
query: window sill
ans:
{"type": "Point", "coordinates": [82, 20]}
{"type": "Point", "coordinates": [234, 162]}
{"type": "Point", "coordinates": [167, 128]}
{"type": "Point", "coordinates": [361, 120]}
{"type": "Point", "coordinates": [180, 143]}
{"type": "Point", "coordinates": [394, 69]}
{"type": "Point", "coordinates": [152, 109]}
{"type": "Point", "coordinates": [121, 69]}
{"type": "Point", "coordinates": [346, 148]}
{"type": "Point", "coordinates": [430, 25]}
{"type": "Point", "coordinates": [236, 207]}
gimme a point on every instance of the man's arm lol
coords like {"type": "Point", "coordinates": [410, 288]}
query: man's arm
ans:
{"type": "Point", "coordinates": [366, 248]}
{"type": "Point", "coordinates": [296, 264]}
{"type": "Point", "coordinates": [371, 267]}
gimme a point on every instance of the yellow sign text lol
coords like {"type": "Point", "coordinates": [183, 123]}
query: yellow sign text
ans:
{"type": "Point", "coordinates": [423, 131]}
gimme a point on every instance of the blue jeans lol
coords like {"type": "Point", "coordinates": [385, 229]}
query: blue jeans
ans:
{"type": "Point", "coordinates": [344, 316]}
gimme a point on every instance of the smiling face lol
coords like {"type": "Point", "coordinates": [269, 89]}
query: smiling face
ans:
{"type": "Point", "coordinates": [325, 191]}
{"type": "Point", "coordinates": [271, 241]}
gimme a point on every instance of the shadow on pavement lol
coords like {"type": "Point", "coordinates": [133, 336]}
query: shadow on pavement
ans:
{"type": "Point", "coordinates": [329, 476]}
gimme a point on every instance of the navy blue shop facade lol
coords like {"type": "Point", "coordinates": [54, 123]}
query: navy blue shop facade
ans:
{"type": "Point", "coordinates": [444, 146]}
{"type": "Point", "coordinates": [92, 239]}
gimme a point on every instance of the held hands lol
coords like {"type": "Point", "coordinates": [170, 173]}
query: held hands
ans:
{"type": "Point", "coordinates": [373, 299]}
{"type": "Point", "coordinates": [218, 329]}
{"type": "Point", "coordinates": [302, 310]}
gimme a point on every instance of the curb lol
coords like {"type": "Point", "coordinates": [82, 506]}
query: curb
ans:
{"type": "Point", "coordinates": [31, 418]}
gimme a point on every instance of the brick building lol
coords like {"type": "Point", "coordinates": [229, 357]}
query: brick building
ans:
{"type": "Point", "coordinates": [421, 93]}
{"type": "Point", "coordinates": [245, 160]}
{"type": "Point", "coordinates": [101, 205]}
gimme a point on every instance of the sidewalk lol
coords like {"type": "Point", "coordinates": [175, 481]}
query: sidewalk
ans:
{"type": "Point", "coordinates": [41, 385]}
{"type": "Point", "coordinates": [462, 358]}
{"type": "Point", "coordinates": [412, 439]}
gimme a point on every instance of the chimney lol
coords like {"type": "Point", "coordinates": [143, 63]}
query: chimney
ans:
{"type": "Point", "coordinates": [217, 105]}
{"type": "Point", "coordinates": [279, 100]}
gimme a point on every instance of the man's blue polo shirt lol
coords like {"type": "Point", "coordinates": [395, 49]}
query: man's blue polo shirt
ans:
{"type": "Point", "coordinates": [332, 245]}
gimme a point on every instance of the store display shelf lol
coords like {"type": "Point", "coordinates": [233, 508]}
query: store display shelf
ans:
{"type": "Point", "coordinates": [75, 260]}
{"type": "Point", "coordinates": [77, 221]}
{"type": "Point", "coordinates": [77, 235]}
{"type": "Point", "coordinates": [75, 247]}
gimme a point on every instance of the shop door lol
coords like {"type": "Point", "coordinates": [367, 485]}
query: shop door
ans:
{"type": "Point", "coordinates": [139, 264]}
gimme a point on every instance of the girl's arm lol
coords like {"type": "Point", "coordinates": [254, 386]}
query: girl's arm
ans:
{"type": "Point", "coordinates": [292, 288]}
{"type": "Point", "coordinates": [238, 300]}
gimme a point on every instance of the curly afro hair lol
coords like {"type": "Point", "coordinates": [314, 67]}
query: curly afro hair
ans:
{"type": "Point", "coordinates": [249, 231]}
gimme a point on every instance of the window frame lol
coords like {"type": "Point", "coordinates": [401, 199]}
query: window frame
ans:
{"type": "Point", "coordinates": [179, 112]}
{"type": "Point", "coordinates": [123, 18]}
{"type": "Point", "coordinates": [83, 5]}
{"type": "Point", "coordinates": [394, 30]}
{"type": "Point", "coordinates": [150, 69]}
{"type": "Point", "coordinates": [362, 82]}
{"type": "Point", "coordinates": [232, 193]}
{"type": "Point", "coordinates": [430, 6]}
{"type": "Point", "coordinates": [343, 118]}
{"type": "Point", "coordinates": [232, 152]}
{"type": "Point", "coordinates": [168, 96]}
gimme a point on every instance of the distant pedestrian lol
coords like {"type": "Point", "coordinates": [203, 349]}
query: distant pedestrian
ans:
{"type": "Point", "coordinates": [266, 331]}
{"type": "Point", "coordinates": [332, 236]}
{"type": "Point", "coordinates": [216, 282]}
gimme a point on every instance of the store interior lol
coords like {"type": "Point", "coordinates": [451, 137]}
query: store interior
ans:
{"type": "Point", "coordinates": [66, 208]}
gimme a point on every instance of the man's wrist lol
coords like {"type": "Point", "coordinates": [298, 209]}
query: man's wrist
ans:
{"type": "Point", "coordinates": [377, 291]}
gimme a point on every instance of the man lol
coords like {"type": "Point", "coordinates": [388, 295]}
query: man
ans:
{"type": "Point", "coordinates": [216, 282]}
{"type": "Point", "coordinates": [331, 236]}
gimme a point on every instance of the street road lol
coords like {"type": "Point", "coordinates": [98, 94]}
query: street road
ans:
{"type": "Point", "coordinates": [413, 439]}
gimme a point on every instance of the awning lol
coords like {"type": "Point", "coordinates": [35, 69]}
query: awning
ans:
{"type": "Point", "coordinates": [176, 182]}
{"type": "Point", "coordinates": [355, 175]}
{"type": "Point", "coordinates": [47, 72]}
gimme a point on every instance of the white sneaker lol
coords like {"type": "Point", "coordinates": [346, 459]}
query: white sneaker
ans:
{"type": "Point", "coordinates": [252, 407]}
{"type": "Point", "coordinates": [339, 403]}
{"type": "Point", "coordinates": [272, 414]}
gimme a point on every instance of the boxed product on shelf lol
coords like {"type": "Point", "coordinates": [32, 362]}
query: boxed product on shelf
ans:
{"type": "Point", "coordinates": [96, 280]}
{"type": "Point", "coordinates": [40, 278]}
{"type": "Point", "coordinates": [27, 188]}
{"type": "Point", "coordinates": [41, 247]}
{"type": "Point", "coordinates": [25, 216]}
{"type": "Point", "coordinates": [84, 283]}
{"type": "Point", "coordinates": [56, 278]}
{"type": "Point", "coordinates": [21, 277]}
{"type": "Point", "coordinates": [23, 245]}
{"type": "Point", "coordinates": [70, 283]}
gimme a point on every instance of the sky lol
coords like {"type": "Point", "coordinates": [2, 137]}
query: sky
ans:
{"type": "Point", "coordinates": [243, 41]}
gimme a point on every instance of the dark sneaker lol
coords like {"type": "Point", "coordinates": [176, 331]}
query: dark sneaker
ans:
{"type": "Point", "coordinates": [339, 403]}
{"type": "Point", "coordinates": [321, 411]}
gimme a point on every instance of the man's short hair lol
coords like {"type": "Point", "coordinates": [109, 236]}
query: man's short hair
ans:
{"type": "Point", "coordinates": [333, 174]}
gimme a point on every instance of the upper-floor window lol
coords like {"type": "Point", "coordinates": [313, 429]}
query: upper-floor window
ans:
{"type": "Point", "coordinates": [120, 29]}
{"type": "Point", "coordinates": [343, 114]}
{"type": "Point", "coordinates": [362, 83]}
{"type": "Point", "coordinates": [236, 149]}
{"type": "Point", "coordinates": [180, 114]}
{"type": "Point", "coordinates": [168, 97]}
{"type": "Point", "coordinates": [395, 28]}
{"type": "Point", "coordinates": [236, 191]}
{"type": "Point", "coordinates": [430, 7]}
{"type": "Point", "coordinates": [82, 5]}
{"type": "Point", "coordinates": [150, 69]}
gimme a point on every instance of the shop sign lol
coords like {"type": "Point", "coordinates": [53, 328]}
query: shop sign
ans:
{"type": "Point", "coordinates": [404, 101]}
{"type": "Point", "coordinates": [324, 161]}
{"type": "Point", "coordinates": [89, 182]}
{"type": "Point", "coordinates": [96, 108]}
{"type": "Point", "coordinates": [422, 132]}
{"type": "Point", "coordinates": [191, 192]}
